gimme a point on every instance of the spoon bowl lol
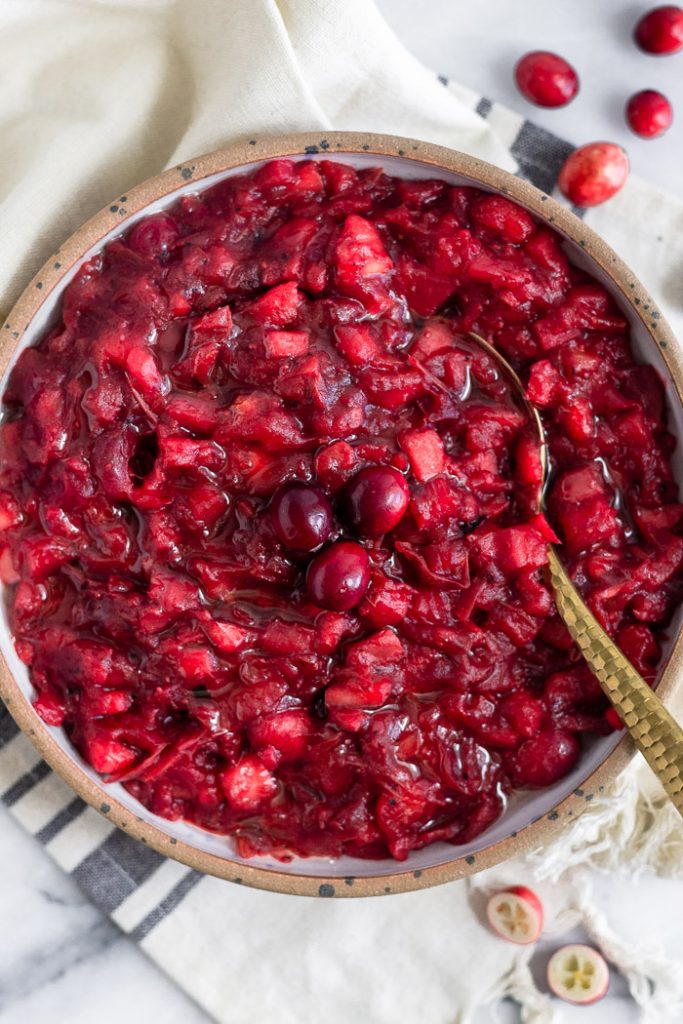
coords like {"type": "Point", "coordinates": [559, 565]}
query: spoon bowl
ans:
{"type": "Point", "coordinates": [652, 727]}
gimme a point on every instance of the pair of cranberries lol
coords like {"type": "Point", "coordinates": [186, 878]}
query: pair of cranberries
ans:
{"type": "Point", "coordinates": [372, 503]}
{"type": "Point", "coordinates": [549, 80]}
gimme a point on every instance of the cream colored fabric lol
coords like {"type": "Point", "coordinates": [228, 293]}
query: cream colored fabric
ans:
{"type": "Point", "coordinates": [97, 95]}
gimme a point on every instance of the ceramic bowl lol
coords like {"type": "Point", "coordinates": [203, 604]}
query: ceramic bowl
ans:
{"type": "Point", "coordinates": [532, 817]}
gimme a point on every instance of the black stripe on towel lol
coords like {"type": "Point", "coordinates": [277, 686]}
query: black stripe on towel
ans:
{"type": "Point", "coordinates": [483, 107]}
{"type": "Point", "coordinates": [25, 784]}
{"type": "Point", "coordinates": [8, 727]}
{"type": "Point", "coordinates": [61, 820]}
{"type": "Point", "coordinates": [540, 155]}
{"type": "Point", "coordinates": [115, 869]}
{"type": "Point", "coordinates": [167, 906]}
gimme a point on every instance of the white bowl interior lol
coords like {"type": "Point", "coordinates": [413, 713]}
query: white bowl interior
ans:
{"type": "Point", "coordinates": [524, 807]}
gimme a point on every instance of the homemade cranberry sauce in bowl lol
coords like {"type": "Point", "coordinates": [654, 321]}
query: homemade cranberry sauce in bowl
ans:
{"type": "Point", "coordinates": [271, 545]}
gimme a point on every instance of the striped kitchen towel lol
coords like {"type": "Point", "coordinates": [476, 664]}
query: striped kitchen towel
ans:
{"type": "Point", "coordinates": [166, 81]}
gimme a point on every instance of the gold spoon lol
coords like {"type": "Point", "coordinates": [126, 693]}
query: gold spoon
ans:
{"type": "Point", "coordinates": [653, 729]}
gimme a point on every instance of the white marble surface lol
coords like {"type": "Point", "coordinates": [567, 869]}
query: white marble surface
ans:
{"type": "Point", "coordinates": [60, 960]}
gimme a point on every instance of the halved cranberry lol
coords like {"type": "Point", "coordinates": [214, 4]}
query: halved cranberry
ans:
{"type": "Point", "coordinates": [660, 31]}
{"type": "Point", "coordinates": [649, 113]}
{"type": "Point", "coordinates": [578, 974]}
{"type": "Point", "coordinates": [375, 500]}
{"type": "Point", "coordinates": [338, 577]}
{"type": "Point", "coordinates": [593, 173]}
{"type": "Point", "coordinates": [516, 914]}
{"type": "Point", "coordinates": [546, 79]}
{"type": "Point", "coordinates": [302, 516]}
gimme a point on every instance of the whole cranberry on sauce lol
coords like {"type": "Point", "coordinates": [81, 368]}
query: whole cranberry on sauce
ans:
{"type": "Point", "coordinates": [154, 235]}
{"type": "Point", "coordinates": [594, 173]}
{"type": "Point", "coordinates": [544, 758]}
{"type": "Point", "coordinates": [302, 516]}
{"type": "Point", "coordinates": [660, 31]}
{"type": "Point", "coordinates": [546, 79]}
{"type": "Point", "coordinates": [375, 500]}
{"type": "Point", "coordinates": [649, 114]}
{"type": "Point", "coordinates": [338, 577]}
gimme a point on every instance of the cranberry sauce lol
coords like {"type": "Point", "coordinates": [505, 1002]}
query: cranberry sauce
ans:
{"type": "Point", "coordinates": [269, 526]}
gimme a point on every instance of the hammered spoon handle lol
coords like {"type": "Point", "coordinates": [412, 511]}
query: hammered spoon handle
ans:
{"type": "Point", "coordinates": [654, 730]}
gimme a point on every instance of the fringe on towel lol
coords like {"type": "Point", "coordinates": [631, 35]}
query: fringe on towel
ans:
{"type": "Point", "coordinates": [655, 982]}
{"type": "Point", "coordinates": [629, 830]}
{"type": "Point", "coordinates": [518, 984]}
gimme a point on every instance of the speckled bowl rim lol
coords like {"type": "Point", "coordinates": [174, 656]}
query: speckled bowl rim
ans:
{"type": "Point", "coordinates": [404, 879]}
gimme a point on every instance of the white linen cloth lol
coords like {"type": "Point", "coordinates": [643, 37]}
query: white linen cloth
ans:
{"type": "Point", "coordinates": [96, 95]}
{"type": "Point", "coordinates": [100, 95]}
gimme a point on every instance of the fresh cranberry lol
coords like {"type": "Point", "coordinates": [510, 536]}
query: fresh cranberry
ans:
{"type": "Point", "coordinates": [649, 113]}
{"type": "Point", "coordinates": [546, 79]}
{"type": "Point", "coordinates": [660, 31]}
{"type": "Point", "coordinates": [593, 173]}
{"type": "Point", "coordinates": [302, 516]}
{"type": "Point", "coordinates": [375, 500]}
{"type": "Point", "coordinates": [338, 577]}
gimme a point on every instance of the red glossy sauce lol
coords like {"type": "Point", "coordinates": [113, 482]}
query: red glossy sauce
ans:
{"type": "Point", "coordinates": [302, 324]}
